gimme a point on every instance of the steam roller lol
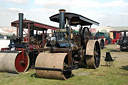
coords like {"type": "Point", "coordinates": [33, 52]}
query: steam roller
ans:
{"type": "Point", "coordinates": [13, 62]}
{"type": "Point", "coordinates": [68, 47]}
{"type": "Point", "coordinates": [22, 51]}
{"type": "Point", "coordinates": [15, 59]}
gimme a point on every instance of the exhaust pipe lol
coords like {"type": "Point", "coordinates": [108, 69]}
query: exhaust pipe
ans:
{"type": "Point", "coordinates": [62, 19]}
{"type": "Point", "coordinates": [21, 25]}
{"type": "Point", "coordinates": [124, 35]}
{"type": "Point", "coordinates": [61, 23]}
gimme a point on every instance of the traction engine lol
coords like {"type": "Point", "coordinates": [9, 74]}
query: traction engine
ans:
{"type": "Point", "coordinates": [23, 48]}
{"type": "Point", "coordinates": [123, 41]}
{"type": "Point", "coordinates": [67, 48]}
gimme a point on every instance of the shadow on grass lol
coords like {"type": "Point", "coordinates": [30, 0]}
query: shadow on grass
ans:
{"type": "Point", "coordinates": [103, 65]}
{"type": "Point", "coordinates": [82, 65]}
{"type": "Point", "coordinates": [35, 76]}
{"type": "Point", "coordinates": [124, 67]}
{"type": "Point", "coordinates": [113, 50]}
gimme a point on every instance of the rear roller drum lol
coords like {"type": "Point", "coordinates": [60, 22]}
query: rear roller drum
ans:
{"type": "Point", "coordinates": [101, 42]}
{"type": "Point", "coordinates": [93, 54]}
{"type": "Point", "coordinates": [51, 65]}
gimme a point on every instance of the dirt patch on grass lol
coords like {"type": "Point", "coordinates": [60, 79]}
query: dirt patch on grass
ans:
{"type": "Point", "coordinates": [83, 73]}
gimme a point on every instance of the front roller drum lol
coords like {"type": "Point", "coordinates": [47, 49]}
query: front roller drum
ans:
{"type": "Point", "coordinates": [13, 62]}
{"type": "Point", "coordinates": [52, 66]}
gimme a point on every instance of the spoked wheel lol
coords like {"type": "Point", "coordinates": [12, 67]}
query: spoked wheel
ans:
{"type": "Point", "coordinates": [97, 56]}
{"type": "Point", "coordinates": [93, 54]}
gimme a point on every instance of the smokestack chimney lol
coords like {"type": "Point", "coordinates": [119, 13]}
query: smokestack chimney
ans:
{"type": "Point", "coordinates": [21, 25]}
{"type": "Point", "coordinates": [124, 34]}
{"type": "Point", "coordinates": [62, 19]}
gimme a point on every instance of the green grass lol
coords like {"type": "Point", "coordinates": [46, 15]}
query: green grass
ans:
{"type": "Point", "coordinates": [117, 75]}
{"type": "Point", "coordinates": [101, 76]}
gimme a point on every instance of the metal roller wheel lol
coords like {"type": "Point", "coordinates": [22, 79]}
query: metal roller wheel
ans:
{"type": "Point", "coordinates": [93, 54]}
{"type": "Point", "coordinates": [102, 44]}
{"type": "Point", "coordinates": [13, 62]}
{"type": "Point", "coordinates": [49, 63]}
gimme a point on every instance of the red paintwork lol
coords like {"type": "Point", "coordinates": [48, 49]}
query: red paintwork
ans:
{"type": "Point", "coordinates": [106, 41]}
{"type": "Point", "coordinates": [101, 36]}
{"type": "Point", "coordinates": [20, 64]}
{"type": "Point", "coordinates": [44, 26]}
{"type": "Point", "coordinates": [4, 49]}
{"type": "Point", "coordinates": [21, 58]}
{"type": "Point", "coordinates": [28, 24]}
{"type": "Point", "coordinates": [114, 41]}
{"type": "Point", "coordinates": [25, 39]}
{"type": "Point", "coordinates": [37, 25]}
{"type": "Point", "coordinates": [118, 35]}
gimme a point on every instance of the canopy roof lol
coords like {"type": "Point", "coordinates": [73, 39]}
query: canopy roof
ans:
{"type": "Point", "coordinates": [33, 25]}
{"type": "Point", "coordinates": [123, 31]}
{"type": "Point", "coordinates": [76, 19]}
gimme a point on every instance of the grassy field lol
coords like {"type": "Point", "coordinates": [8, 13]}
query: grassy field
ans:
{"type": "Point", "coordinates": [104, 75]}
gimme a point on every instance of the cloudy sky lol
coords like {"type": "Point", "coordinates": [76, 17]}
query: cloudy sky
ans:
{"type": "Point", "coordinates": [106, 12]}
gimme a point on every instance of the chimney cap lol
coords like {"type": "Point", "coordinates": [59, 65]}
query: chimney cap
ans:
{"type": "Point", "coordinates": [20, 13]}
{"type": "Point", "coordinates": [62, 10]}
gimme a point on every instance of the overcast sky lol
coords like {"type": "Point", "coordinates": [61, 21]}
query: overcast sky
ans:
{"type": "Point", "coordinates": [106, 12]}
